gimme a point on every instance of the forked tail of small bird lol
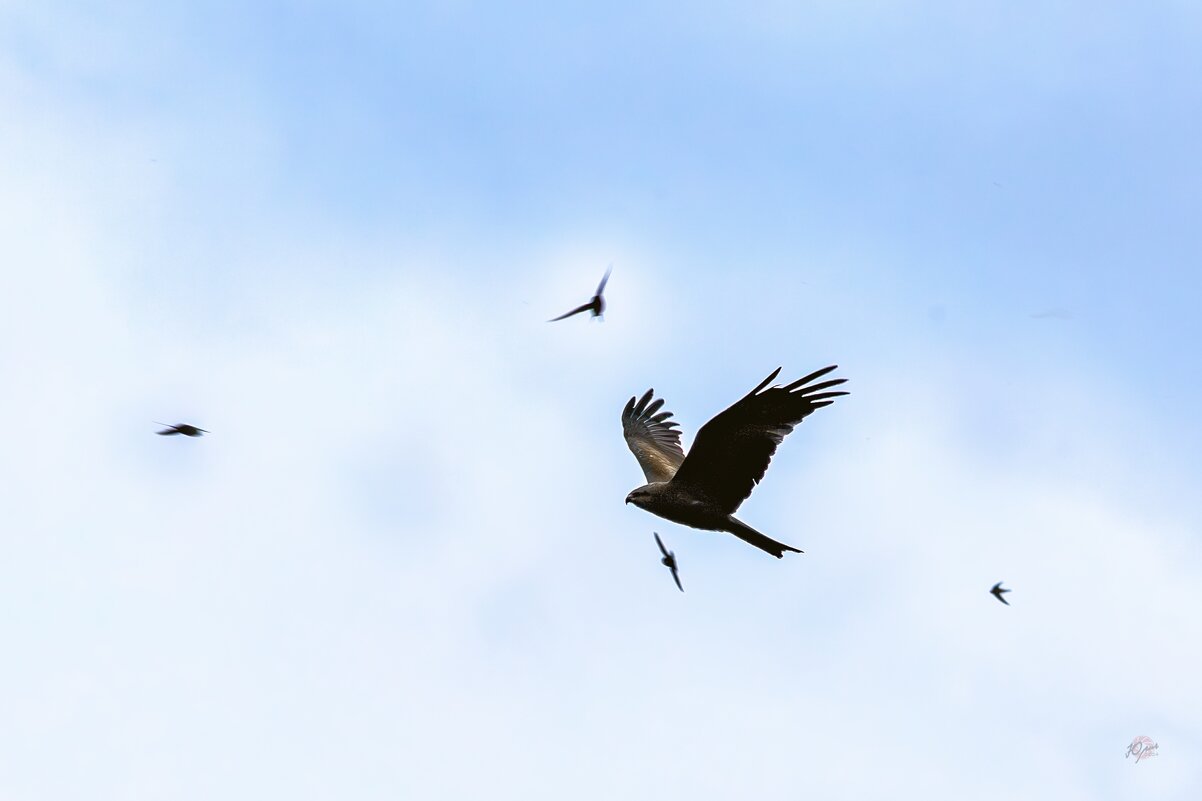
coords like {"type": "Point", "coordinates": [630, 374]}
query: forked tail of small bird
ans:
{"type": "Point", "coordinates": [749, 535]}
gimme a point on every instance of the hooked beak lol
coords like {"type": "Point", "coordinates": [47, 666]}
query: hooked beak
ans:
{"type": "Point", "coordinates": [628, 498]}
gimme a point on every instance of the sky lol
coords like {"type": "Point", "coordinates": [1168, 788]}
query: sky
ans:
{"type": "Point", "coordinates": [399, 566]}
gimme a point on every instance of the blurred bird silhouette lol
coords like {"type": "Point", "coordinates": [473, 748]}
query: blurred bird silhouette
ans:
{"type": "Point", "coordinates": [729, 457]}
{"type": "Point", "coordinates": [180, 428]}
{"type": "Point", "coordinates": [669, 560]}
{"type": "Point", "coordinates": [596, 305]}
{"type": "Point", "coordinates": [997, 593]}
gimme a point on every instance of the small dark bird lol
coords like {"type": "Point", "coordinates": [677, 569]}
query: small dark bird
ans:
{"type": "Point", "coordinates": [669, 560]}
{"type": "Point", "coordinates": [181, 428]}
{"type": "Point", "coordinates": [596, 305]}
{"type": "Point", "coordinates": [997, 593]}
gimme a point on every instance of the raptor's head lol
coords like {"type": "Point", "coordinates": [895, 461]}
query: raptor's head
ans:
{"type": "Point", "coordinates": [643, 496]}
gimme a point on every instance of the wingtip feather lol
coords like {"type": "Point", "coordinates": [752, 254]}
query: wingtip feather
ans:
{"type": "Point", "coordinates": [765, 382]}
{"type": "Point", "coordinates": [816, 374]}
{"type": "Point", "coordinates": [642, 404]}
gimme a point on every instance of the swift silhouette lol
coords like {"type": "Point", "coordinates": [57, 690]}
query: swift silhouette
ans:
{"type": "Point", "coordinates": [669, 560]}
{"type": "Point", "coordinates": [596, 305]}
{"type": "Point", "coordinates": [181, 428]}
{"type": "Point", "coordinates": [997, 593]}
{"type": "Point", "coordinates": [729, 456]}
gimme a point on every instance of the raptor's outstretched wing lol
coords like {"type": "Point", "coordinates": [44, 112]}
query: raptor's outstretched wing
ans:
{"type": "Point", "coordinates": [733, 449]}
{"type": "Point", "coordinates": [652, 438]}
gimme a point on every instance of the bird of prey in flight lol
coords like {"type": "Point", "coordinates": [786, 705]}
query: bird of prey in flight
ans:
{"type": "Point", "coordinates": [729, 455]}
{"type": "Point", "coordinates": [669, 560]}
{"type": "Point", "coordinates": [181, 428]}
{"type": "Point", "coordinates": [596, 305]}
{"type": "Point", "coordinates": [997, 593]}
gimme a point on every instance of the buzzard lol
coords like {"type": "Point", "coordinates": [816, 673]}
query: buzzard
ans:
{"type": "Point", "coordinates": [729, 456]}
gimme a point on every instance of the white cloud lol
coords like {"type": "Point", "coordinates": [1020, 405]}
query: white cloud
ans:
{"type": "Point", "coordinates": [400, 564]}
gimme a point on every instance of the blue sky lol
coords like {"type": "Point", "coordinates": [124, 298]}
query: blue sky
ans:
{"type": "Point", "coordinates": [400, 566]}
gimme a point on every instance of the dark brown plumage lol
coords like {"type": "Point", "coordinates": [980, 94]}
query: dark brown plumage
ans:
{"type": "Point", "coordinates": [729, 457]}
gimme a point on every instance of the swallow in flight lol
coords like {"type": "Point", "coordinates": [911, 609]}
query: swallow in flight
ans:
{"type": "Point", "coordinates": [596, 306]}
{"type": "Point", "coordinates": [181, 428]}
{"type": "Point", "coordinates": [669, 560]}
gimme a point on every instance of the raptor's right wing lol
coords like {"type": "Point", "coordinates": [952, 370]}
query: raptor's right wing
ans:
{"type": "Point", "coordinates": [652, 438]}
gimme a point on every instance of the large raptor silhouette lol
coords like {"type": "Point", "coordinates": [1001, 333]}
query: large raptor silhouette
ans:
{"type": "Point", "coordinates": [729, 456]}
